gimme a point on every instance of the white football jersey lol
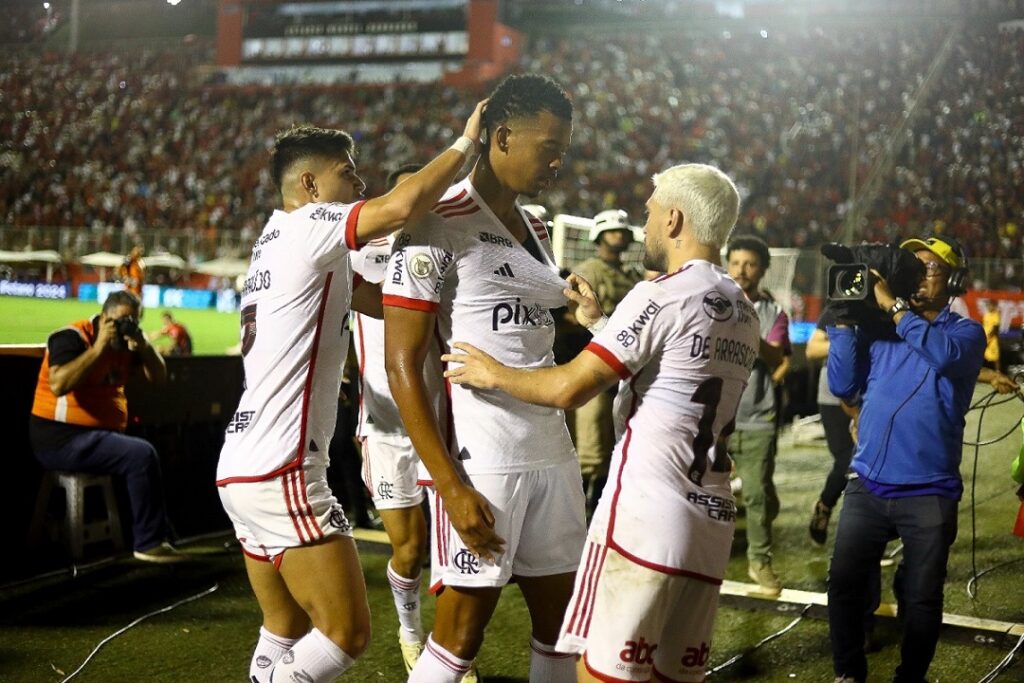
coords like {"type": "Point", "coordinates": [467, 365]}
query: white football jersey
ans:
{"type": "Point", "coordinates": [294, 340]}
{"type": "Point", "coordinates": [378, 414]}
{"type": "Point", "coordinates": [376, 406]}
{"type": "Point", "coordinates": [685, 344]}
{"type": "Point", "coordinates": [461, 263]}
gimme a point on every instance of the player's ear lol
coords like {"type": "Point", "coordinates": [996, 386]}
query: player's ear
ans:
{"type": "Point", "coordinates": [308, 182]}
{"type": "Point", "coordinates": [501, 134]}
{"type": "Point", "coordinates": [675, 223]}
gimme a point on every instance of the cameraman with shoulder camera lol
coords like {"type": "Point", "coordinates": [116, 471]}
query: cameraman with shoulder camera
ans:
{"type": "Point", "coordinates": [917, 386]}
{"type": "Point", "coordinates": [80, 413]}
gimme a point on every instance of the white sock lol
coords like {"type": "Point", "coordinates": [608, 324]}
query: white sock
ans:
{"type": "Point", "coordinates": [269, 649]}
{"type": "Point", "coordinates": [314, 659]}
{"type": "Point", "coordinates": [437, 665]}
{"type": "Point", "coordinates": [406, 593]}
{"type": "Point", "coordinates": [549, 665]}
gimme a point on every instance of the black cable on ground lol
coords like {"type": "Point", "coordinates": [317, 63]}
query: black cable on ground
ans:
{"type": "Point", "coordinates": [984, 403]}
{"type": "Point", "coordinates": [767, 639]}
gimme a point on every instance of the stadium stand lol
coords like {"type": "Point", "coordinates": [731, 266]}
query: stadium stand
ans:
{"type": "Point", "coordinates": [153, 139]}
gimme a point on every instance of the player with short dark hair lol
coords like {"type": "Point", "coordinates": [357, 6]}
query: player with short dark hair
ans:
{"type": "Point", "coordinates": [390, 463]}
{"type": "Point", "coordinates": [299, 553]}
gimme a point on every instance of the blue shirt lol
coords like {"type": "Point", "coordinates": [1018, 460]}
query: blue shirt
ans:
{"type": "Point", "coordinates": [916, 390]}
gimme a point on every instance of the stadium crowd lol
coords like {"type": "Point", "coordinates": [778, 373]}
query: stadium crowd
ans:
{"type": "Point", "coordinates": [150, 139]}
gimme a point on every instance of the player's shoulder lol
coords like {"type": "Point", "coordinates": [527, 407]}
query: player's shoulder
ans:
{"type": "Point", "coordinates": [457, 204]}
{"type": "Point", "coordinates": [538, 226]}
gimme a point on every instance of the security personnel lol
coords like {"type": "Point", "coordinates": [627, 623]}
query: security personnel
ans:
{"type": "Point", "coordinates": [611, 280]}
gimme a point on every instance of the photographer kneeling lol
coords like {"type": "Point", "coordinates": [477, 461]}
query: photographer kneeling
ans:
{"type": "Point", "coordinates": [917, 381]}
{"type": "Point", "coordinates": [80, 413]}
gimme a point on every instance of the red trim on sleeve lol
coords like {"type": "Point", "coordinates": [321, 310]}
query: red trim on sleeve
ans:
{"type": "Point", "coordinates": [411, 304]}
{"type": "Point", "coordinates": [609, 358]}
{"type": "Point", "coordinates": [350, 226]}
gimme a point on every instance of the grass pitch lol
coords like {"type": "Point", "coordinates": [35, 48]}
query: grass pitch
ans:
{"type": "Point", "coordinates": [30, 321]}
{"type": "Point", "coordinates": [48, 629]}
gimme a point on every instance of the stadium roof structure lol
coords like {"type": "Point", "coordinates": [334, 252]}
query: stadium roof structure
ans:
{"type": "Point", "coordinates": [107, 259]}
{"type": "Point", "coordinates": [224, 267]}
{"type": "Point", "coordinates": [43, 256]}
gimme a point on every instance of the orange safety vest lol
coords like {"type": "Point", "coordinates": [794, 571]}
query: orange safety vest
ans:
{"type": "Point", "coordinates": [134, 275]}
{"type": "Point", "coordinates": [99, 400]}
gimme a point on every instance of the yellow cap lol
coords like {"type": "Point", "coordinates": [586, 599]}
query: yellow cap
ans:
{"type": "Point", "coordinates": [937, 246]}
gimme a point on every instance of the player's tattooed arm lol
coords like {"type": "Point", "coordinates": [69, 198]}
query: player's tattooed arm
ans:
{"type": "Point", "coordinates": [407, 339]}
{"type": "Point", "coordinates": [411, 199]}
{"type": "Point", "coordinates": [563, 386]}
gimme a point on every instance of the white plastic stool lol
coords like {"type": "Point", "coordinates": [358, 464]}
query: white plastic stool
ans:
{"type": "Point", "coordinates": [77, 531]}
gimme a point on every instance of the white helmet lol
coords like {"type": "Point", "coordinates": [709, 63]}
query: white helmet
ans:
{"type": "Point", "coordinates": [612, 219]}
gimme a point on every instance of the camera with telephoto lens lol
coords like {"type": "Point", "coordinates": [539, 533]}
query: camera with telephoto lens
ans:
{"type": "Point", "coordinates": [851, 284]}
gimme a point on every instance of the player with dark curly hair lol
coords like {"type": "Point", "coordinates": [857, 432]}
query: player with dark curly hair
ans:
{"type": "Point", "coordinates": [480, 268]}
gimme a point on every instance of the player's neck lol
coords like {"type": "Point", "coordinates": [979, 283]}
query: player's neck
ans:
{"type": "Point", "coordinates": [499, 199]}
{"type": "Point", "coordinates": [693, 251]}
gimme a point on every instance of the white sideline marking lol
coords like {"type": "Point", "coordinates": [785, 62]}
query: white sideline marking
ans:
{"type": "Point", "coordinates": [794, 597]}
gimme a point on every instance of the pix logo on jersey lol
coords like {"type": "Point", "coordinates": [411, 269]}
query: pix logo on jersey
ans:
{"type": "Point", "coordinates": [519, 314]}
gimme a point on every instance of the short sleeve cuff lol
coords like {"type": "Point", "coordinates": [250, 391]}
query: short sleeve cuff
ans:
{"type": "Point", "coordinates": [609, 358]}
{"type": "Point", "coordinates": [350, 226]}
{"type": "Point", "coordinates": [411, 304]}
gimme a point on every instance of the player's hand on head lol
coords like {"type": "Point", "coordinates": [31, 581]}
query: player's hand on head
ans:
{"type": "Point", "coordinates": [474, 126]}
{"type": "Point", "coordinates": [470, 514]}
{"type": "Point", "coordinates": [588, 308]}
{"type": "Point", "coordinates": [472, 367]}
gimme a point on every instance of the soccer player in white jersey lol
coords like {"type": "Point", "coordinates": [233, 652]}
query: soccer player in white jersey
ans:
{"type": "Point", "coordinates": [299, 553]}
{"type": "Point", "coordinates": [479, 267]}
{"type": "Point", "coordinates": [390, 465]}
{"type": "Point", "coordinates": [647, 588]}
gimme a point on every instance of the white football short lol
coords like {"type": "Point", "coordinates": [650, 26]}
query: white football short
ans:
{"type": "Point", "coordinates": [632, 623]}
{"type": "Point", "coordinates": [288, 511]}
{"type": "Point", "coordinates": [390, 472]}
{"type": "Point", "coordinates": [539, 513]}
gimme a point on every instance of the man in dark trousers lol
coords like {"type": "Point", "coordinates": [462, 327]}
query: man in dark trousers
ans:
{"type": "Point", "coordinates": [80, 413]}
{"type": "Point", "coordinates": [917, 386]}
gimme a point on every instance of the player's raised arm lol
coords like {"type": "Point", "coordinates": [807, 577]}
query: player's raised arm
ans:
{"type": "Point", "coordinates": [411, 199]}
{"type": "Point", "coordinates": [407, 342]}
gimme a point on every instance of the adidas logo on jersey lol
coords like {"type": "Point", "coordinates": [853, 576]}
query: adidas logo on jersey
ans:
{"type": "Point", "coordinates": [505, 271]}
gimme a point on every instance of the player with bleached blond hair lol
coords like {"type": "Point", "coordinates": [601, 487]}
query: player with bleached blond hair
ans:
{"type": "Point", "coordinates": [683, 345]}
